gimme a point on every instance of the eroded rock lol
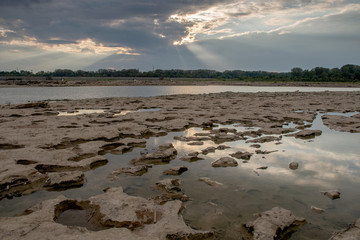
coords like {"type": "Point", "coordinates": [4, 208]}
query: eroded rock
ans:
{"type": "Point", "coordinates": [65, 179]}
{"type": "Point", "coordinates": [225, 162]}
{"type": "Point", "coordinates": [116, 214]}
{"type": "Point", "coordinates": [171, 190]}
{"type": "Point", "coordinates": [274, 224]}
{"type": "Point", "coordinates": [163, 154]}
{"type": "Point", "coordinates": [242, 155]}
{"type": "Point", "coordinates": [191, 157]}
{"type": "Point", "coordinates": [132, 171]}
{"type": "Point", "coordinates": [317, 210]}
{"type": "Point", "coordinates": [306, 134]}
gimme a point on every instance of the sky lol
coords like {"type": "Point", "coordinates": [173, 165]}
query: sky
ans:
{"type": "Point", "coordinates": [221, 35]}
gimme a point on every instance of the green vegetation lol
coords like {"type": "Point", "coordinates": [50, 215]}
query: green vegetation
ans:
{"type": "Point", "coordinates": [347, 73]}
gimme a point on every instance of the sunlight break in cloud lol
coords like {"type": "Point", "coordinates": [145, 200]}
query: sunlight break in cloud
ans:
{"type": "Point", "coordinates": [84, 46]}
{"type": "Point", "coordinates": [245, 18]}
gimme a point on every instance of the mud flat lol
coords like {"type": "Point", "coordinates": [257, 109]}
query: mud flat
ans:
{"type": "Point", "coordinates": [42, 150]}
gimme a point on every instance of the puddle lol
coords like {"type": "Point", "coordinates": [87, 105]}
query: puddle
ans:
{"type": "Point", "coordinates": [329, 161]}
{"type": "Point", "coordinates": [80, 112]}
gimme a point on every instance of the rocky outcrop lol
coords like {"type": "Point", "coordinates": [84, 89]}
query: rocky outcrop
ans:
{"type": "Point", "coordinates": [225, 162]}
{"type": "Point", "coordinates": [273, 224]}
{"type": "Point", "coordinates": [191, 157]}
{"type": "Point", "coordinates": [116, 214]}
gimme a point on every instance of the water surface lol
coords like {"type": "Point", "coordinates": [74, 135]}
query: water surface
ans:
{"type": "Point", "coordinates": [30, 94]}
{"type": "Point", "coordinates": [329, 161]}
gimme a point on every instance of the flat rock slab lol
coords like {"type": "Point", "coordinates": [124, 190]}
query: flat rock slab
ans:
{"type": "Point", "coordinates": [163, 154]}
{"type": "Point", "coordinates": [306, 134]}
{"type": "Point", "coordinates": [225, 162]}
{"type": "Point", "coordinates": [264, 139]}
{"type": "Point", "coordinates": [132, 171]}
{"type": "Point", "coordinates": [122, 216]}
{"type": "Point", "coordinates": [273, 224]}
{"type": "Point", "coordinates": [65, 179]}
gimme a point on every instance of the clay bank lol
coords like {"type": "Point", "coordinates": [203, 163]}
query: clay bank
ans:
{"type": "Point", "coordinates": [208, 166]}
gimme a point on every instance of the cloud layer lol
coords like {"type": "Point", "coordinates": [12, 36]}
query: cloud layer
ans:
{"type": "Point", "coordinates": [132, 33]}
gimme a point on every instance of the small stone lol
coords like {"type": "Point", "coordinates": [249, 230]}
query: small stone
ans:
{"type": "Point", "coordinates": [196, 143]}
{"type": "Point", "coordinates": [210, 182]}
{"type": "Point", "coordinates": [255, 145]}
{"type": "Point", "coordinates": [263, 167]}
{"type": "Point", "coordinates": [332, 194]}
{"type": "Point", "coordinates": [293, 165]}
{"type": "Point", "coordinates": [317, 210]}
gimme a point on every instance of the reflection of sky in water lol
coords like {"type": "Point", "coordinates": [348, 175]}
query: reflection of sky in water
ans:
{"type": "Point", "coordinates": [329, 161]}
{"type": "Point", "coordinates": [80, 112]}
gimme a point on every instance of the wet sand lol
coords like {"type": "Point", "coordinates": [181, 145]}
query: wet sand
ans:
{"type": "Point", "coordinates": [40, 149]}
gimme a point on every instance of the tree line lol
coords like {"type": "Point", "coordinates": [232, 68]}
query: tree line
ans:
{"type": "Point", "coordinates": [347, 73]}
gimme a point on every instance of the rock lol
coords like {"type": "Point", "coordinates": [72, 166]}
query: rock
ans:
{"type": "Point", "coordinates": [224, 137]}
{"type": "Point", "coordinates": [293, 165]}
{"type": "Point", "coordinates": [175, 170]}
{"type": "Point", "coordinates": [117, 215]}
{"type": "Point", "coordinates": [242, 155]}
{"type": "Point", "coordinates": [191, 157]}
{"type": "Point", "coordinates": [210, 182]}
{"type": "Point", "coordinates": [222, 147]}
{"type": "Point", "coordinates": [264, 139]}
{"type": "Point", "coordinates": [171, 190]}
{"type": "Point", "coordinates": [196, 143]}
{"type": "Point", "coordinates": [65, 179]}
{"type": "Point", "coordinates": [163, 154]}
{"type": "Point", "coordinates": [317, 210]}
{"type": "Point", "coordinates": [264, 152]}
{"type": "Point", "coordinates": [33, 105]}
{"type": "Point", "coordinates": [306, 134]}
{"type": "Point", "coordinates": [208, 150]}
{"type": "Point", "coordinates": [255, 145]}
{"type": "Point", "coordinates": [274, 224]}
{"type": "Point", "coordinates": [332, 194]}
{"type": "Point", "coordinates": [225, 162]}
{"type": "Point", "coordinates": [132, 171]}
{"type": "Point", "coordinates": [350, 233]}
{"type": "Point", "coordinates": [263, 167]}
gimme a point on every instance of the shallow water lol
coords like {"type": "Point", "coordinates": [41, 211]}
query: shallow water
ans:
{"type": "Point", "coordinates": [329, 161]}
{"type": "Point", "coordinates": [30, 94]}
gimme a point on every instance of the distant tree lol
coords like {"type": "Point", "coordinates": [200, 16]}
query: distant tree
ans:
{"type": "Point", "coordinates": [296, 73]}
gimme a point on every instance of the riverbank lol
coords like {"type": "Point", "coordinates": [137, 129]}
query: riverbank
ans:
{"type": "Point", "coordinates": [93, 81]}
{"type": "Point", "coordinates": [44, 150]}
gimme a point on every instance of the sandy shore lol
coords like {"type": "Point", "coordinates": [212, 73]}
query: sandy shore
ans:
{"type": "Point", "coordinates": [40, 148]}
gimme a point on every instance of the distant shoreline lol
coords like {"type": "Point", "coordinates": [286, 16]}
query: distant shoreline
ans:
{"type": "Point", "coordinates": [73, 82]}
